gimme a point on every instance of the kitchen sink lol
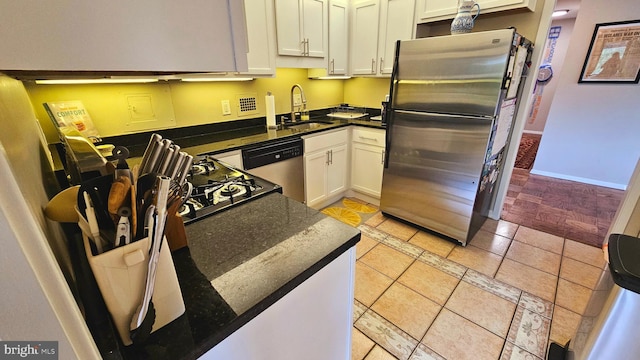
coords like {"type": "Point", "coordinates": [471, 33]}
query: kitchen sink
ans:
{"type": "Point", "coordinates": [307, 124]}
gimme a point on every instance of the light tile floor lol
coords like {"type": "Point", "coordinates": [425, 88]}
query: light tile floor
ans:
{"type": "Point", "coordinates": [505, 295]}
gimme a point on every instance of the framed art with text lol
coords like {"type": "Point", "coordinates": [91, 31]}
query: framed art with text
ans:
{"type": "Point", "coordinates": [614, 54]}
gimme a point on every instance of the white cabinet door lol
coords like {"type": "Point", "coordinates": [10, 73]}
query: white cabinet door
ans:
{"type": "Point", "coordinates": [315, 28]}
{"type": "Point", "coordinates": [395, 24]}
{"type": "Point", "coordinates": [364, 36]}
{"type": "Point", "coordinates": [367, 163]}
{"type": "Point", "coordinates": [325, 166]}
{"type": "Point", "coordinates": [338, 37]}
{"type": "Point", "coordinates": [315, 176]}
{"type": "Point", "coordinates": [123, 35]}
{"type": "Point", "coordinates": [301, 27]}
{"type": "Point", "coordinates": [289, 27]}
{"type": "Point", "coordinates": [376, 26]}
{"type": "Point", "coordinates": [337, 170]}
{"type": "Point", "coordinates": [261, 57]}
{"type": "Point", "coordinates": [436, 10]}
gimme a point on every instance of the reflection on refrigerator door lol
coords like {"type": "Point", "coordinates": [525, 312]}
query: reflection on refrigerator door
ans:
{"type": "Point", "coordinates": [436, 168]}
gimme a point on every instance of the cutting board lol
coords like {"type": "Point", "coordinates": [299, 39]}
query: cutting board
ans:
{"type": "Point", "coordinates": [347, 115]}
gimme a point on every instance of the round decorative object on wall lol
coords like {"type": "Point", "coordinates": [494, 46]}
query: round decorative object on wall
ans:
{"type": "Point", "coordinates": [545, 73]}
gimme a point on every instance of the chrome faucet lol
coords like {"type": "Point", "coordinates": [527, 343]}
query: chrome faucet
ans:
{"type": "Point", "coordinates": [304, 101]}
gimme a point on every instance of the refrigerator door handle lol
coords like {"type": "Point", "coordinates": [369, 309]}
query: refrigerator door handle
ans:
{"type": "Point", "coordinates": [391, 105]}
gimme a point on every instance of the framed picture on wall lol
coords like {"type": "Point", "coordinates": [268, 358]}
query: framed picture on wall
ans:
{"type": "Point", "coordinates": [614, 54]}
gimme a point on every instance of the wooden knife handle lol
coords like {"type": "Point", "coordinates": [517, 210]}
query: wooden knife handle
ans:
{"type": "Point", "coordinates": [174, 227]}
{"type": "Point", "coordinates": [175, 232]}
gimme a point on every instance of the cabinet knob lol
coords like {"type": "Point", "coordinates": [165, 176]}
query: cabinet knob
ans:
{"type": "Point", "coordinates": [381, 62]}
{"type": "Point", "coordinates": [333, 66]}
{"type": "Point", "coordinates": [373, 66]}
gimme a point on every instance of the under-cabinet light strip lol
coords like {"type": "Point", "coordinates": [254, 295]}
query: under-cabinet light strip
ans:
{"type": "Point", "coordinates": [93, 81]}
{"type": "Point", "coordinates": [196, 79]}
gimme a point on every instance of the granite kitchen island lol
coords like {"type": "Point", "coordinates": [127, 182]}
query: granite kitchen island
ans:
{"type": "Point", "coordinates": [268, 279]}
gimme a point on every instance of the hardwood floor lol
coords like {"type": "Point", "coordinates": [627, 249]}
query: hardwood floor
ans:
{"type": "Point", "coordinates": [569, 209]}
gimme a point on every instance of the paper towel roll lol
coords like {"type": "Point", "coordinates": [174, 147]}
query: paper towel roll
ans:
{"type": "Point", "coordinates": [271, 111]}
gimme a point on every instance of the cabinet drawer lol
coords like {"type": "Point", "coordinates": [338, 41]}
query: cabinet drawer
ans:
{"type": "Point", "coordinates": [368, 136]}
{"type": "Point", "coordinates": [325, 140]}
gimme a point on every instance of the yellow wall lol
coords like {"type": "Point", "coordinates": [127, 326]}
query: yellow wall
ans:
{"type": "Point", "coordinates": [179, 104]}
{"type": "Point", "coordinates": [369, 92]}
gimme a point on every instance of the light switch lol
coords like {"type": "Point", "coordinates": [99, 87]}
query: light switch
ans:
{"type": "Point", "coordinates": [226, 107]}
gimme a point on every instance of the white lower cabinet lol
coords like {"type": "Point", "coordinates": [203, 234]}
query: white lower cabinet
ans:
{"type": "Point", "coordinates": [325, 167]}
{"type": "Point", "coordinates": [367, 161]}
{"type": "Point", "coordinates": [313, 321]}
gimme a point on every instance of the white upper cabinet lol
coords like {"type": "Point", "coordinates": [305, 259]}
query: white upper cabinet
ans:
{"type": "Point", "coordinates": [338, 37]}
{"type": "Point", "coordinates": [301, 27]}
{"type": "Point", "coordinates": [435, 10]}
{"type": "Point", "coordinates": [123, 35]}
{"type": "Point", "coordinates": [364, 37]}
{"type": "Point", "coordinates": [376, 25]}
{"type": "Point", "coordinates": [395, 24]}
{"type": "Point", "coordinates": [261, 56]}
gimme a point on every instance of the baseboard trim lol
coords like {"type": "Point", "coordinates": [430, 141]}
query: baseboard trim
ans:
{"type": "Point", "coordinates": [364, 197]}
{"type": "Point", "coordinates": [579, 179]}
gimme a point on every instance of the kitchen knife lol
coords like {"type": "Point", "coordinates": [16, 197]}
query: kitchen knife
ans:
{"type": "Point", "coordinates": [144, 192]}
{"type": "Point", "coordinates": [174, 170]}
{"type": "Point", "coordinates": [119, 195]}
{"type": "Point", "coordinates": [153, 143]}
{"type": "Point", "coordinates": [93, 222]}
{"type": "Point", "coordinates": [174, 161]}
{"type": "Point", "coordinates": [166, 161]}
{"type": "Point", "coordinates": [144, 317]}
{"type": "Point", "coordinates": [184, 169]}
{"type": "Point", "coordinates": [165, 144]}
{"type": "Point", "coordinates": [154, 156]}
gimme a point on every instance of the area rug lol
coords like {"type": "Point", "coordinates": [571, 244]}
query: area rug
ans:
{"type": "Point", "coordinates": [527, 151]}
{"type": "Point", "coordinates": [350, 211]}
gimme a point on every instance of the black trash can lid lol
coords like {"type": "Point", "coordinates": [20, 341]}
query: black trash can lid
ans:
{"type": "Point", "coordinates": [624, 261]}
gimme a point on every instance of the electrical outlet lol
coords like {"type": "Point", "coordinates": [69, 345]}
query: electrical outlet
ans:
{"type": "Point", "coordinates": [297, 99]}
{"type": "Point", "coordinates": [226, 107]}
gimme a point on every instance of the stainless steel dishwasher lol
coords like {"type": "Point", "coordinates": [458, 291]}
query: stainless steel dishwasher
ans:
{"type": "Point", "coordinates": [279, 162]}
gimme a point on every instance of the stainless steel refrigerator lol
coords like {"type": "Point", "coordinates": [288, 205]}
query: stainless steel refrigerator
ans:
{"type": "Point", "coordinates": [452, 103]}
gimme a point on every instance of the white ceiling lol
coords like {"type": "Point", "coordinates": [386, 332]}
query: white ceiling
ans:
{"type": "Point", "coordinates": [572, 5]}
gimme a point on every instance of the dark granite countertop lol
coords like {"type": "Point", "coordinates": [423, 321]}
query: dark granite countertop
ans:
{"type": "Point", "coordinates": [268, 135]}
{"type": "Point", "coordinates": [237, 264]}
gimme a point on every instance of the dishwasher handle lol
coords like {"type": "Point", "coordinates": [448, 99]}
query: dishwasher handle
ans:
{"type": "Point", "coordinates": [265, 154]}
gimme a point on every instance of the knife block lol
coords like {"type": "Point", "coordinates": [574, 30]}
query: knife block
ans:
{"type": "Point", "coordinates": [121, 276]}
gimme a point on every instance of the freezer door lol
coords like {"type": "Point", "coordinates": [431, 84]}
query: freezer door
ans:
{"type": "Point", "coordinates": [457, 74]}
{"type": "Point", "coordinates": [434, 168]}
